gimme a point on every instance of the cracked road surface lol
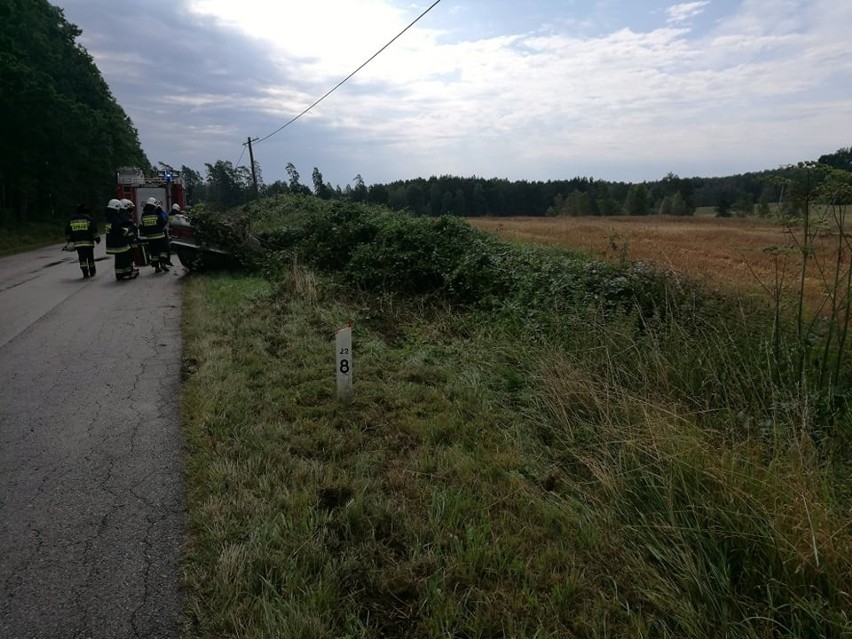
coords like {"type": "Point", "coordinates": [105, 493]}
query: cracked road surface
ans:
{"type": "Point", "coordinates": [91, 490]}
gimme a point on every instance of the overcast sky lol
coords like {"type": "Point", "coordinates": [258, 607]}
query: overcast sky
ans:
{"type": "Point", "coordinates": [624, 90]}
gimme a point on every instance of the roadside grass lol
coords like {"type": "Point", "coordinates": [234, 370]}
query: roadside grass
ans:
{"type": "Point", "coordinates": [28, 237]}
{"type": "Point", "coordinates": [488, 482]}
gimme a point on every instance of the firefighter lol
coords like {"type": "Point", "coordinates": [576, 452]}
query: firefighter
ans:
{"type": "Point", "coordinates": [81, 230]}
{"type": "Point", "coordinates": [127, 207]}
{"type": "Point", "coordinates": [152, 229]}
{"type": "Point", "coordinates": [119, 240]}
{"type": "Point", "coordinates": [127, 212]}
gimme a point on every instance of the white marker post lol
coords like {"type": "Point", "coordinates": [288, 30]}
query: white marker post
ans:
{"type": "Point", "coordinates": [343, 348]}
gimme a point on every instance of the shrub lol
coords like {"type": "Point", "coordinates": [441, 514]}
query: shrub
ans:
{"type": "Point", "coordinates": [714, 354]}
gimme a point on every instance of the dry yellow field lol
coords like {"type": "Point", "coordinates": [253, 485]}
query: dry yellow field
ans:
{"type": "Point", "coordinates": [727, 253]}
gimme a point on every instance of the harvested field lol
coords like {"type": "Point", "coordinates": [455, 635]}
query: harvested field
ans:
{"type": "Point", "coordinates": [749, 257]}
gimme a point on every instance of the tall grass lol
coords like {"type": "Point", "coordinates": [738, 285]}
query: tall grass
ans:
{"type": "Point", "coordinates": [716, 354]}
{"type": "Point", "coordinates": [718, 538]}
{"type": "Point", "coordinates": [537, 446]}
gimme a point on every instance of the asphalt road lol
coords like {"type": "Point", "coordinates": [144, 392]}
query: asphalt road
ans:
{"type": "Point", "coordinates": [91, 491]}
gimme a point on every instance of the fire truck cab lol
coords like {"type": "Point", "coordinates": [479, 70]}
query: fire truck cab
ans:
{"type": "Point", "coordinates": [166, 186]}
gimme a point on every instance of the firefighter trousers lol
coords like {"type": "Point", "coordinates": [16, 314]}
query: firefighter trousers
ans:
{"type": "Point", "coordinates": [158, 253]}
{"type": "Point", "coordinates": [124, 265]}
{"type": "Point", "coordinates": [86, 256]}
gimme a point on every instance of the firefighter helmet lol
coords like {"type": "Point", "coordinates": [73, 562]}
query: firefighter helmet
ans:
{"type": "Point", "coordinates": [152, 201]}
{"type": "Point", "coordinates": [176, 208]}
{"type": "Point", "coordinates": [114, 204]}
{"type": "Point", "coordinates": [127, 204]}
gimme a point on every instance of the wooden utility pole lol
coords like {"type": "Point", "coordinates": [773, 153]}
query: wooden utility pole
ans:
{"type": "Point", "coordinates": [253, 173]}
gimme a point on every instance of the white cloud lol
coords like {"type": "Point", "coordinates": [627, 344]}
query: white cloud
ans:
{"type": "Point", "coordinates": [539, 103]}
{"type": "Point", "coordinates": [326, 37]}
{"type": "Point", "coordinates": [684, 12]}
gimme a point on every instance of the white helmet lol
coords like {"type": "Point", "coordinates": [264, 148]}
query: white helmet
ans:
{"type": "Point", "coordinates": [127, 204]}
{"type": "Point", "coordinates": [152, 201]}
{"type": "Point", "coordinates": [176, 207]}
{"type": "Point", "coordinates": [114, 204]}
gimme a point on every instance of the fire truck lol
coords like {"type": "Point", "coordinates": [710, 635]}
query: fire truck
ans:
{"type": "Point", "coordinates": [166, 187]}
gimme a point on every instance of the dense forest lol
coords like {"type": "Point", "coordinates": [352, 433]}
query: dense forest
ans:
{"type": "Point", "coordinates": [63, 133]}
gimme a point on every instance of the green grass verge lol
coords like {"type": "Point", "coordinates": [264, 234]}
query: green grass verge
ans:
{"type": "Point", "coordinates": [29, 237]}
{"type": "Point", "coordinates": [482, 483]}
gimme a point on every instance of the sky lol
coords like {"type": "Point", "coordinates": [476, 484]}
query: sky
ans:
{"type": "Point", "coordinates": [621, 90]}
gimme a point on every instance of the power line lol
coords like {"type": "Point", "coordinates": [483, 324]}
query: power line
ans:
{"type": "Point", "coordinates": [339, 84]}
{"type": "Point", "coordinates": [237, 163]}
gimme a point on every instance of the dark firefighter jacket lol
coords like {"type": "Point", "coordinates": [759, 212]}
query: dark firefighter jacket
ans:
{"type": "Point", "coordinates": [82, 231]}
{"type": "Point", "coordinates": [120, 237]}
{"type": "Point", "coordinates": [111, 217]}
{"type": "Point", "coordinates": [152, 225]}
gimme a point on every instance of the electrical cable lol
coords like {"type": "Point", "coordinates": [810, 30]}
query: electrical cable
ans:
{"type": "Point", "coordinates": [237, 163]}
{"type": "Point", "coordinates": [339, 84]}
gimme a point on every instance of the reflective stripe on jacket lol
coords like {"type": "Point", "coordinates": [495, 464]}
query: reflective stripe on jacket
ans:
{"type": "Point", "coordinates": [81, 230]}
{"type": "Point", "coordinates": [152, 225]}
{"type": "Point", "coordinates": [119, 238]}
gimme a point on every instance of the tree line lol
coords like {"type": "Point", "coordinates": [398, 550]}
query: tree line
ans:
{"type": "Point", "coordinates": [62, 131]}
{"type": "Point", "coordinates": [226, 186]}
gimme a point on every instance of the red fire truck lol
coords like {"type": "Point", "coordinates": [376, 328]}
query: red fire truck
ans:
{"type": "Point", "coordinates": [166, 187]}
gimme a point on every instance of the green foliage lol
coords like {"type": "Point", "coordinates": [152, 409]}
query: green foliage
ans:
{"type": "Point", "coordinates": [723, 205]}
{"type": "Point", "coordinates": [747, 356]}
{"type": "Point", "coordinates": [693, 525]}
{"type": "Point", "coordinates": [476, 196]}
{"type": "Point", "coordinates": [489, 479]}
{"type": "Point", "coordinates": [559, 295]}
{"type": "Point", "coordinates": [325, 236]}
{"type": "Point", "coordinates": [412, 255]}
{"type": "Point", "coordinates": [21, 237]}
{"type": "Point", "coordinates": [743, 204]}
{"type": "Point", "coordinates": [227, 186]}
{"type": "Point", "coordinates": [578, 203]}
{"type": "Point", "coordinates": [819, 350]}
{"type": "Point", "coordinates": [63, 132]}
{"type": "Point", "coordinates": [840, 159]}
{"type": "Point", "coordinates": [229, 235]}
{"type": "Point", "coordinates": [194, 186]}
{"type": "Point", "coordinates": [679, 206]}
{"type": "Point", "coordinates": [637, 202]}
{"type": "Point", "coordinates": [539, 444]}
{"type": "Point", "coordinates": [376, 249]}
{"type": "Point", "coordinates": [453, 195]}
